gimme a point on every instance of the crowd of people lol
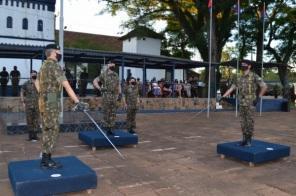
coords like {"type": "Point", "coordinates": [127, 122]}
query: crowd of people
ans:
{"type": "Point", "coordinates": [191, 87]}
{"type": "Point", "coordinates": [14, 76]}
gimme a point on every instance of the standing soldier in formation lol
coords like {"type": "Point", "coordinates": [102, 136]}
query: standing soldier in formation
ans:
{"type": "Point", "coordinates": [49, 84]}
{"type": "Point", "coordinates": [111, 91]}
{"type": "Point", "coordinates": [4, 78]}
{"type": "Point", "coordinates": [131, 102]}
{"type": "Point", "coordinates": [29, 98]}
{"type": "Point", "coordinates": [247, 85]}
{"type": "Point", "coordinates": [83, 80]}
{"type": "Point", "coordinates": [15, 80]}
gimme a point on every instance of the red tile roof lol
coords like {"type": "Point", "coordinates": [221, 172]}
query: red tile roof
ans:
{"type": "Point", "coordinates": [91, 41]}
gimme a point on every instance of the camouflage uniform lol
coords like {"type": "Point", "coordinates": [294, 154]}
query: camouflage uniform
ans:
{"type": "Point", "coordinates": [110, 90]}
{"type": "Point", "coordinates": [247, 86]}
{"type": "Point", "coordinates": [50, 79]}
{"type": "Point", "coordinates": [31, 105]}
{"type": "Point", "coordinates": [131, 95]}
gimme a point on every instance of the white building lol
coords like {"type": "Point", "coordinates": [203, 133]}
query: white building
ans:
{"type": "Point", "coordinates": [30, 22]}
{"type": "Point", "coordinates": [143, 40]}
{"type": "Point", "coordinates": [26, 23]}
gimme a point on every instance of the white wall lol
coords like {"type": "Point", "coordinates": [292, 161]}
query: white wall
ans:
{"type": "Point", "coordinates": [130, 45]}
{"type": "Point", "coordinates": [142, 46]}
{"type": "Point", "coordinates": [33, 15]}
{"type": "Point", "coordinates": [148, 46]}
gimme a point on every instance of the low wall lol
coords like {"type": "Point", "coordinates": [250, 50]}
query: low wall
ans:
{"type": "Point", "coordinates": [13, 104]}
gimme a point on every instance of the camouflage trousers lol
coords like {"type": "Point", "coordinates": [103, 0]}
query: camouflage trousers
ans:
{"type": "Point", "coordinates": [50, 130]}
{"type": "Point", "coordinates": [32, 116]}
{"type": "Point", "coordinates": [247, 119]}
{"type": "Point", "coordinates": [131, 118]}
{"type": "Point", "coordinates": [109, 110]}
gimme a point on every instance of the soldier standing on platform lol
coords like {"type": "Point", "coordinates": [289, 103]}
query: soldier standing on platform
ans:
{"type": "Point", "coordinates": [247, 84]}
{"type": "Point", "coordinates": [15, 79]}
{"type": "Point", "coordinates": [111, 93]}
{"type": "Point", "coordinates": [131, 102]}
{"type": "Point", "coordinates": [29, 98]}
{"type": "Point", "coordinates": [4, 78]}
{"type": "Point", "coordinates": [49, 84]}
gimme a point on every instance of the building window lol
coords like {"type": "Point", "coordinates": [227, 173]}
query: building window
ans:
{"type": "Point", "coordinates": [6, 2]}
{"type": "Point", "coordinates": [0, 2]}
{"type": "Point", "coordinates": [33, 5]}
{"type": "Point", "coordinates": [9, 22]}
{"type": "Point", "coordinates": [25, 24]}
{"type": "Point", "coordinates": [40, 25]}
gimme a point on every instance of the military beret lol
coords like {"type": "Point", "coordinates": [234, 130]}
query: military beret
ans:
{"type": "Point", "coordinates": [52, 46]}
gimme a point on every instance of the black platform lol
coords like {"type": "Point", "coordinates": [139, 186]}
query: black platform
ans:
{"type": "Point", "coordinates": [28, 179]}
{"type": "Point", "coordinates": [95, 139]}
{"type": "Point", "coordinates": [258, 152]}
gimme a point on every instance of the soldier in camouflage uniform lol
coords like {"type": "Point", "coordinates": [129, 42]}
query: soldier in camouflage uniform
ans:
{"type": "Point", "coordinates": [49, 84]}
{"type": "Point", "coordinates": [247, 85]}
{"type": "Point", "coordinates": [29, 97]}
{"type": "Point", "coordinates": [111, 91]}
{"type": "Point", "coordinates": [131, 102]}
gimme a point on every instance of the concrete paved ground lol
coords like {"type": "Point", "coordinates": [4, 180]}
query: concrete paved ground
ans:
{"type": "Point", "coordinates": [176, 156]}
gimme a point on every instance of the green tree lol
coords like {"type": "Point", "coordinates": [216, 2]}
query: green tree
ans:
{"type": "Point", "coordinates": [190, 16]}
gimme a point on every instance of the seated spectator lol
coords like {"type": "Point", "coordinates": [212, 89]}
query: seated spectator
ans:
{"type": "Point", "coordinates": [156, 90]}
{"type": "Point", "coordinates": [178, 88]}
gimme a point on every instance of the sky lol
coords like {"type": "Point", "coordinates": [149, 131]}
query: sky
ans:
{"type": "Point", "coordinates": [83, 16]}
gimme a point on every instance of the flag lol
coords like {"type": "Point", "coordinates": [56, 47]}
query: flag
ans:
{"type": "Point", "coordinates": [210, 3]}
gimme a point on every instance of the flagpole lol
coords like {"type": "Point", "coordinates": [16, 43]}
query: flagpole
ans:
{"type": "Point", "coordinates": [61, 44]}
{"type": "Point", "coordinates": [210, 60]}
{"type": "Point", "coordinates": [263, 29]}
{"type": "Point", "coordinates": [238, 55]}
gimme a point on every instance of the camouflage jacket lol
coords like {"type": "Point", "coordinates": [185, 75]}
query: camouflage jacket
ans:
{"type": "Point", "coordinates": [50, 79]}
{"type": "Point", "coordinates": [131, 94]}
{"type": "Point", "coordinates": [30, 94]}
{"type": "Point", "coordinates": [110, 82]}
{"type": "Point", "coordinates": [247, 86]}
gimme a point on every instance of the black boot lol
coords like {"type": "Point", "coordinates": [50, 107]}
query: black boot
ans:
{"type": "Point", "coordinates": [109, 131]}
{"type": "Point", "coordinates": [30, 136]}
{"type": "Point", "coordinates": [247, 139]}
{"type": "Point", "coordinates": [132, 131]}
{"type": "Point", "coordinates": [244, 141]}
{"type": "Point", "coordinates": [48, 163]}
{"type": "Point", "coordinates": [34, 137]}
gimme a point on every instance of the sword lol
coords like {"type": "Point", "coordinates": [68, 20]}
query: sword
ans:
{"type": "Point", "coordinates": [91, 118]}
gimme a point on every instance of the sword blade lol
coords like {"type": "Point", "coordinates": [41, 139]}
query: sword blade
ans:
{"type": "Point", "coordinates": [99, 128]}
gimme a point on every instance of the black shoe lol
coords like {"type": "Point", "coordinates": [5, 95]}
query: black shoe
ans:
{"type": "Point", "coordinates": [34, 137]}
{"type": "Point", "coordinates": [131, 131]}
{"type": "Point", "coordinates": [30, 136]}
{"type": "Point", "coordinates": [247, 139]}
{"type": "Point", "coordinates": [48, 163]}
{"type": "Point", "coordinates": [109, 131]}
